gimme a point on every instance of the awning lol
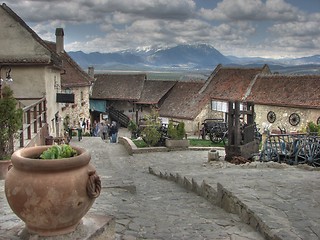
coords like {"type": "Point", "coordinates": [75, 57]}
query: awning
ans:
{"type": "Point", "coordinates": [98, 105]}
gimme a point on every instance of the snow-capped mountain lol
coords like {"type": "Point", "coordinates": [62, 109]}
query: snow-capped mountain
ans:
{"type": "Point", "coordinates": [191, 57]}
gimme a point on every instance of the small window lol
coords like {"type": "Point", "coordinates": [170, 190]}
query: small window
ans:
{"type": "Point", "coordinates": [81, 96]}
{"type": "Point", "coordinates": [219, 106]}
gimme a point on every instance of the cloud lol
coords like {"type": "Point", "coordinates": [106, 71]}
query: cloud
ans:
{"type": "Point", "coordinates": [237, 27]}
{"type": "Point", "coordinates": [249, 10]}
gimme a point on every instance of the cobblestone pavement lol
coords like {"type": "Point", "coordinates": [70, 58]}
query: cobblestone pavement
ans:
{"type": "Point", "coordinates": [283, 199]}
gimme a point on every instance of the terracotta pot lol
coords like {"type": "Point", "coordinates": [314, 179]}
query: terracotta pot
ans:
{"type": "Point", "coordinates": [51, 196]}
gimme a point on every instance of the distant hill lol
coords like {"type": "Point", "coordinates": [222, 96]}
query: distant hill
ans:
{"type": "Point", "coordinates": [187, 57]}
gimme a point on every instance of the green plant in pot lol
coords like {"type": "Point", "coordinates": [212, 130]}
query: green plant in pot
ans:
{"type": "Point", "coordinates": [10, 122]}
{"type": "Point", "coordinates": [176, 135]}
{"type": "Point", "coordinates": [59, 186]}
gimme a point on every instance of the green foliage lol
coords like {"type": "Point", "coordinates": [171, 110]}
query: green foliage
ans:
{"type": "Point", "coordinates": [66, 122]}
{"type": "Point", "coordinates": [140, 143]}
{"type": "Point", "coordinates": [132, 126]}
{"type": "Point", "coordinates": [10, 122]}
{"type": "Point", "coordinates": [192, 141]}
{"type": "Point", "coordinates": [181, 132]}
{"type": "Point", "coordinates": [172, 131]}
{"type": "Point", "coordinates": [58, 152]}
{"type": "Point", "coordinates": [313, 128]}
{"type": "Point", "coordinates": [176, 132]}
{"type": "Point", "coordinates": [204, 143]}
{"type": "Point", "coordinates": [150, 133]}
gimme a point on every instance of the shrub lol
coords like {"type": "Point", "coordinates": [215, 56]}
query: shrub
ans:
{"type": "Point", "coordinates": [176, 132]}
{"type": "Point", "coordinates": [181, 132]}
{"type": "Point", "coordinates": [10, 122]}
{"type": "Point", "coordinates": [313, 128]}
{"type": "Point", "coordinates": [150, 133]}
{"type": "Point", "coordinates": [172, 131]}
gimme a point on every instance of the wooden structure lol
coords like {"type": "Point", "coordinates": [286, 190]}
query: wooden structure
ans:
{"type": "Point", "coordinates": [241, 131]}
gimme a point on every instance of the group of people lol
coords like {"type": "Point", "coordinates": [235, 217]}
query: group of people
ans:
{"type": "Point", "coordinates": [105, 130]}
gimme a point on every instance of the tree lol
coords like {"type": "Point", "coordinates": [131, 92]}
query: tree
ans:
{"type": "Point", "coordinates": [150, 133]}
{"type": "Point", "coordinates": [10, 122]}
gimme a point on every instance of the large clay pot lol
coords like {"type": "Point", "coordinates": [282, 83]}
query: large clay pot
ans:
{"type": "Point", "coordinates": [51, 196]}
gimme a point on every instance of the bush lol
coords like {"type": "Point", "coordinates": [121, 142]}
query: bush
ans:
{"type": "Point", "coordinates": [176, 132]}
{"type": "Point", "coordinates": [150, 133]}
{"type": "Point", "coordinates": [313, 128]}
{"type": "Point", "coordinates": [10, 122]}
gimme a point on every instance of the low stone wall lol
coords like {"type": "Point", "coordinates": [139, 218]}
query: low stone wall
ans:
{"type": "Point", "coordinates": [225, 199]}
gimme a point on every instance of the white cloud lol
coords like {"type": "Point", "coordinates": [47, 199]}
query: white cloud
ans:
{"type": "Point", "coordinates": [233, 26]}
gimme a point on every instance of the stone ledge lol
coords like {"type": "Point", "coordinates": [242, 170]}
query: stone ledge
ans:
{"type": "Point", "coordinates": [133, 149]}
{"type": "Point", "coordinates": [227, 200]}
{"type": "Point", "coordinates": [91, 227]}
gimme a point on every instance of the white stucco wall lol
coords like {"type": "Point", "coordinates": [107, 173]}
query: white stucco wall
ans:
{"type": "Point", "coordinates": [17, 42]}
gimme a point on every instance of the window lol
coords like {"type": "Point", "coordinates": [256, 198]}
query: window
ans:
{"type": "Point", "coordinates": [81, 94]}
{"type": "Point", "coordinates": [219, 106]}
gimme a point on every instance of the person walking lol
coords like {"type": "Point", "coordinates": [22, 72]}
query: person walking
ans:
{"type": "Point", "coordinates": [114, 132]}
{"type": "Point", "coordinates": [104, 131]}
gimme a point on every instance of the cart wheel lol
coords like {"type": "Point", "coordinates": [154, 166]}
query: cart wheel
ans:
{"type": "Point", "coordinates": [214, 137]}
{"type": "Point", "coordinates": [309, 154]}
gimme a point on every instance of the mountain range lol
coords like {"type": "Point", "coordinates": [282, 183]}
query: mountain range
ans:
{"type": "Point", "coordinates": [188, 57]}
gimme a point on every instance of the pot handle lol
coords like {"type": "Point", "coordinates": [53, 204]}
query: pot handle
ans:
{"type": "Point", "coordinates": [93, 184]}
{"type": "Point", "coordinates": [10, 166]}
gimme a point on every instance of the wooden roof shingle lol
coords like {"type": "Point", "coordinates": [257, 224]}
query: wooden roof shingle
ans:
{"type": "Point", "coordinates": [73, 75]}
{"type": "Point", "coordinates": [286, 90]}
{"type": "Point", "coordinates": [118, 86]}
{"type": "Point", "coordinates": [231, 83]}
{"type": "Point", "coordinates": [154, 90]}
{"type": "Point", "coordinates": [184, 101]}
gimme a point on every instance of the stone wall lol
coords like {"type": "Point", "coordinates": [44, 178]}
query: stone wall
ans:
{"type": "Point", "coordinates": [80, 107]}
{"type": "Point", "coordinates": [282, 117]}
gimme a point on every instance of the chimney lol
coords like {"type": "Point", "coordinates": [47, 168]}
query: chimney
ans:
{"type": "Point", "coordinates": [59, 40]}
{"type": "Point", "coordinates": [91, 71]}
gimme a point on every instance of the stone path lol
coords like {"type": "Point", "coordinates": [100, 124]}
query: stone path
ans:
{"type": "Point", "coordinates": [147, 207]}
{"type": "Point", "coordinates": [280, 201]}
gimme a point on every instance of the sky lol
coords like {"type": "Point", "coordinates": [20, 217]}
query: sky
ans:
{"type": "Point", "coordinates": [242, 28]}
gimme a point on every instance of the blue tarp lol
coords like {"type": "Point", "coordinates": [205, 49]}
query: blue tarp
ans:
{"type": "Point", "coordinates": [98, 105]}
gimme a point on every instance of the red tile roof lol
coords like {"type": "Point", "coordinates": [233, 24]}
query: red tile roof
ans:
{"type": "Point", "coordinates": [231, 83]}
{"type": "Point", "coordinates": [184, 101]}
{"type": "Point", "coordinates": [154, 90]}
{"type": "Point", "coordinates": [73, 75]}
{"type": "Point", "coordinates": [118, 86]}
{"type": "Point", "coordinates": [286, 90]}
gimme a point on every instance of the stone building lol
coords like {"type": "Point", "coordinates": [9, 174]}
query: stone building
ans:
{"type": "Point", "coordinates": [35, 68]}
{"type": "Point", "coordinates": [75, 83]}
{"type": "Point", "coordinates": [286, 101]}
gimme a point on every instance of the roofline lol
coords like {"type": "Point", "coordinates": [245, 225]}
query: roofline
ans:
{"type": "Point", "coordinates": [33, 34]}
{"type": "Point", "coordinates": [287, 105]}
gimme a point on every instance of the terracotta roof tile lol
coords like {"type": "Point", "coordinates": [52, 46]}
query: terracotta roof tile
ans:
{"type": "Point", "coordinates": [286, 90]}
{"type": "Point", "coordinates": [184, 101]}
{"type": "Point", "coordinates": [154, 90]}
{"type": "Point", "coordinates": [73, 76]}
{"type": "Point", "coordinates": [230, 83]}
{"type": "Point", "coordinates": [118, 86]}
